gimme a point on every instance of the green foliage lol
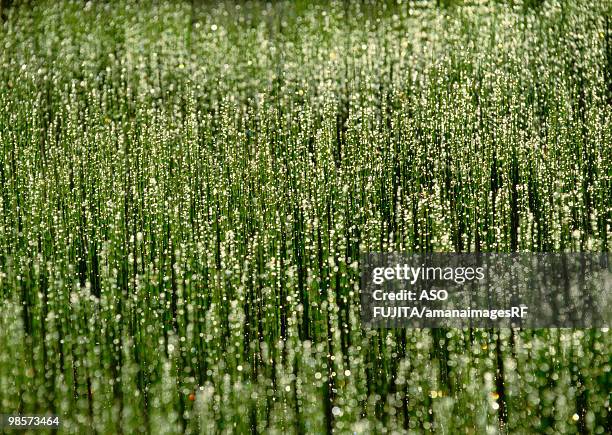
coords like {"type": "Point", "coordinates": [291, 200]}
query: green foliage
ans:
{"type": "Point", "coordinates": [185, 191]}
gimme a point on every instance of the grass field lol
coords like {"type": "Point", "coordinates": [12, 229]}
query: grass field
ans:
{"type": "Point", "coordinates": [185, 191]}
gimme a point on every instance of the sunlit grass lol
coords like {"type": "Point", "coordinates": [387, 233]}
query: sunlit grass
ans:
{"type": "Point", "coordinates": [185, 192]}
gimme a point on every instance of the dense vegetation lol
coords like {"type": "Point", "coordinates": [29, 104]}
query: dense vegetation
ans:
{"type": "Point", "coordinates": [185, 191]}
